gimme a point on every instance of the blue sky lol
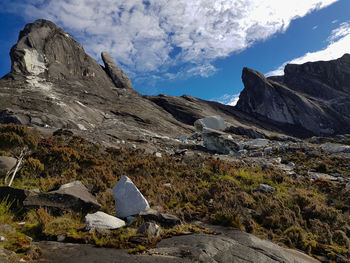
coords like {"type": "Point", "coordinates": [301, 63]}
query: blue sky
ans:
{"type": "Point", "coordinates": [196, 47]}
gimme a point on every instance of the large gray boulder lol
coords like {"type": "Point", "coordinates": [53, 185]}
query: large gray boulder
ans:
{"type": "Point", "coordinates": [212, 122]}
{"type": "Point", "coordinates": [72, 196]}
{"type": "Point", "coordinates": [119, 78]}
{"type": "Point", "coordinates": [219, 142]}
{"type": "Point", "coordinates": [128, 199]}
{"type": "Point", "coordinates": [103, 220]}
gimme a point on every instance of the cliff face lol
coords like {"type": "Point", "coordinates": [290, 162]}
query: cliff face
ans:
{"type": "Point", "coordinates": [312, 97]}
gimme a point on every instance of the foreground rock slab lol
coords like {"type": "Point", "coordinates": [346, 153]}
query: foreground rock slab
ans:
{"type": "Point", "coordinates": [231, 246]}
{"type": "Point", "coordinates": [72, 196]}
{"type": "Point", "coordinates": [128, 199]}
{"type": "Point", "coordinates": [103, 220]}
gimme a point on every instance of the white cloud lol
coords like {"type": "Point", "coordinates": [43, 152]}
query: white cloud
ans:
{"type": "Point", "coordinates": [314, 27]}
{"type": "Point", "coordinates": [228, 99]}
{"type": "Point", "coordinates": [149, 37]}
{"type": "Point", "coordinates": [338, 45]}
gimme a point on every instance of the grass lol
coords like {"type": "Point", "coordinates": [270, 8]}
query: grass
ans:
{"type": "Point", "coordinates": [309, 215]}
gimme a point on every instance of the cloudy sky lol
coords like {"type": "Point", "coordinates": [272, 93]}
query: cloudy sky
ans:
{"type": "Point", "coordinates": [195, 47]}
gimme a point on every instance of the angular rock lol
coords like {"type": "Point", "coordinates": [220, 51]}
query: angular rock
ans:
{"type": "Point", "coordinates": [120, 79]}
{"type": "Point", "coordinates": [7, 163]}
{"type": "Point", "coordinates": [212, 122]}
{"type": "Point", "coordinates": [219, 142]}
{"type": "Point", "coordinates": [163, 219]}
{"type": "Point", "coordinates": [157, 154]}
{"type": "Point", "coordinates": [265, 188]}
{"type": "Point", "coordinates": [149, 229]}
{"type": "Point", "coordinates": [128, 199]}
{"type": "Point", "coordinates": [103, 220]}
{"type": "Point", "coordinates": [72, 196]}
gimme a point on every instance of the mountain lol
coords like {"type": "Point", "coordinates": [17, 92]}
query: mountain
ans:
{"type": "Point", "coordinates": [54, 84]}
{"type": "Point", "coordinates": [312, 98]}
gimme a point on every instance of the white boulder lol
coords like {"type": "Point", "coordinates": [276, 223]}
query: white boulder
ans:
{"type": "Point", "coordinates": [103, 220]}
{"type": "Point", "coordinates": [128, 199]}
{"type": "Point", "coordinates": [212, 122]}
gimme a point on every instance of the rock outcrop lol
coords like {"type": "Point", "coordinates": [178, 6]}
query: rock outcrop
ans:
{"type": "Point", "coordinates": [120, 79]}
{"type": "Point", "coordinates": [231, 246]}
{"type": "Point", "coordinates": [311, 99]}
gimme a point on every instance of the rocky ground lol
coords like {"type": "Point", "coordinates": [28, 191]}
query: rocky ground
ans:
{"type": "Point", "coordinates": [292, 192]}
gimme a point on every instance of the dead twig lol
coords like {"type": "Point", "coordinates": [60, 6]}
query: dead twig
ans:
{"type": "Point", "coordinates": [19, 162]}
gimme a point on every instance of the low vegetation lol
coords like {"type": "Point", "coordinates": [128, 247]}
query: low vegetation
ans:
{"type": "Point", "coordinates": [312, 216]}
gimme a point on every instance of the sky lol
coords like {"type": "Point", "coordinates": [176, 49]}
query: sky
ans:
{"type": "Point", "coordinates": [193, 47]}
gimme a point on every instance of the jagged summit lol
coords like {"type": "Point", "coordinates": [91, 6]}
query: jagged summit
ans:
{"type": "Point", "coordinates": [312, 98]}
{"type": "Point", "coordinates": [44, 49]}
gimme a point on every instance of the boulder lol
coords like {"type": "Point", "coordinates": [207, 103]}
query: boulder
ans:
{"type": "Point", "coordinates": [103, 220]}
{"type": "Point", "coordinates": [149, 229]}
{"type": "Point", "coordinates": [128, 199]}
{"type": "Point", "coordinates": [7, 163]}
{"type": "Point", "coordinates": [72, 196]}
{"type": "Point", "coordinates": [219, 142]}
{"type": "Point", "coordinates": [265, 188]}
{"type": "Point", "coordinates": [165, 220]}
{"type": "Point", "coordinates": [212, 122]}
{"type": "Point", "coordinates": [119, 78]}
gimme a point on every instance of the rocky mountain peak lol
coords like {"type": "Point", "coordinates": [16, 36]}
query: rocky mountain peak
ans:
{"type": "Point", "coordinates": [44, 49]}
{"type": "Point", "coordinates": [311, 97]}
{"type": "Point", "coordinates": [120, 79]}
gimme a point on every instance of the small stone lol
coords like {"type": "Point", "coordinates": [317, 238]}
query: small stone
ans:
{"type": "Point", "coordinates": [2, 239]}
{"type": "Point", "coordinates": [182, 138]}
{"type": "Point", "coordinates": [291, 164]}
{"type": "Point", "coordinates": [21, 223]}
{"type": "Point", "coordinates": [151, 230]}
{"type": "Point", "coordinates": [61, 238]}
{"type": "Point", "coordinates": [266, 188]}
{"type": "Point", "coordinates": [268, 150]}
{"type": "Point", "coordinates": [168, 185]}
{"type": "Point", "coordinates": [133, 146]}
{"type": "Point", "coordinates": [157, 154]}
